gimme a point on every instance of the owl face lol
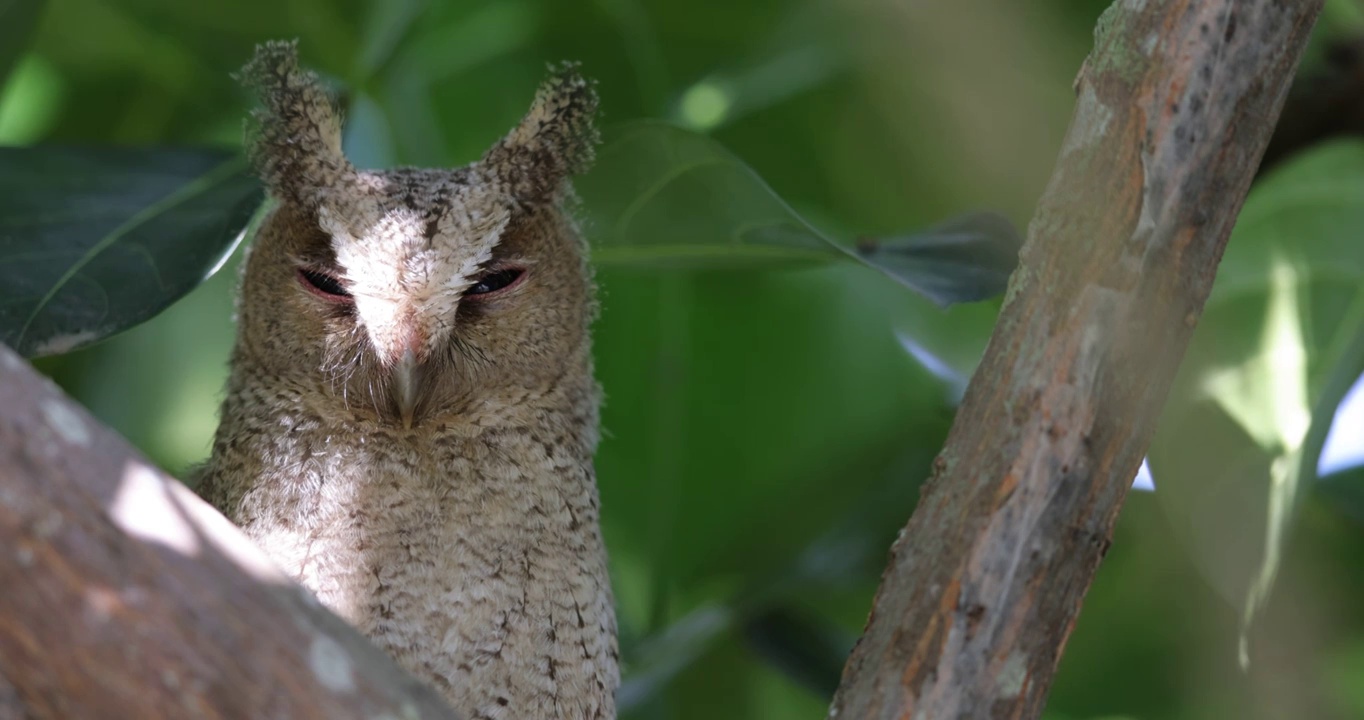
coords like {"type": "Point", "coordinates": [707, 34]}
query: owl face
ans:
{"type": "Point", "coordinates": [410, 306]}
{"type": "Point", "coordinates": [415, 295]}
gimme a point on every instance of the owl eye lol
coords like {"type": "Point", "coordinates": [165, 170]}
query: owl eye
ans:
{"type": "Point", "coordinates": [494, 282]}
{"type": "Point", "coordinates": [323, 285]}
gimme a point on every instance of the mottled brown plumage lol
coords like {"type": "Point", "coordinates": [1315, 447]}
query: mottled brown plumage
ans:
{"type": "Point", "coordinates": [411, 415]}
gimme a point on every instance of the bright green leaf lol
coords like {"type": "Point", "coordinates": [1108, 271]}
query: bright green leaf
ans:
{"type": "Point", "coordinates": [1276, 414]}
{"type": "Point", "coordinates": [96, 240]}
{"type": "Point", "coordinates": [1275, 351]}
{"type": "Point", "coordinates": [665, 197]}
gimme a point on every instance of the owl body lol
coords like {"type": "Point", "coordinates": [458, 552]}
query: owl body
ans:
{"type": "Point", "coordinates": [470, 554]}
{"type": "Point", "coordinates": [411, 415]}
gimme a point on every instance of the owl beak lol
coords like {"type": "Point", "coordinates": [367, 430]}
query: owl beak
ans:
{"type": "Point", "coordinates": [405, 382]}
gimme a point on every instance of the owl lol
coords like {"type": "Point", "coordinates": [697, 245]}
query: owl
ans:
{"type": "Point", "coordinates": [411, 414]}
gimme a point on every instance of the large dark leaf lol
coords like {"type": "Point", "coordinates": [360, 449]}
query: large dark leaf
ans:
{"type": "Point", "coordinates": [666, 197]}
{"type": "Point", "coordinates": [96, 240]}
{"type": "Point", "coordinates": [17, 20]}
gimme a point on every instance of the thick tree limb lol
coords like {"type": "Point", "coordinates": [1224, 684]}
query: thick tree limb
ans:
{"type": "Point", "coordinates": [1176, 105]}
{"type": "Point", "coordinates": [122, 595]}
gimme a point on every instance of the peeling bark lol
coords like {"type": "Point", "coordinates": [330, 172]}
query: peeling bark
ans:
{"type": "Point", "coordinates": [1175, 107]}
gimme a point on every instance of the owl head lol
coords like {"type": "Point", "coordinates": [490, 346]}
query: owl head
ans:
{"type": "Point", "coordinates": [412, 296]}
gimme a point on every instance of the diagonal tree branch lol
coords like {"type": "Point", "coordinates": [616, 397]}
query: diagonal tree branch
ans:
{"type": "Point", "coordinates": [125, 596]}
{"type": "Point", "coordinates": [1176, 105]}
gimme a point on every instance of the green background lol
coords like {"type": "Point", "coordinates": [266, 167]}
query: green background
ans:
{"type": "Point", "coordinates": [765, 431]}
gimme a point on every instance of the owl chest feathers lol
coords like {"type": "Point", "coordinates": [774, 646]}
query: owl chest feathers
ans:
{"type": "Point", "coordinates": [475, 560]}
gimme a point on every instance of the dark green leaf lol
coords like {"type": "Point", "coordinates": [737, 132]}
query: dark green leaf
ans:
{"type": "Point", "coordinates": [1345, 492]}
{"type": "Point", "coordinates": [966, 258]}
{"type": "Point", "coordinates": [665, 197]}
{"type": "Point", "coordinates": [96, 240]}
{"type": "Point", "coordinates": [808, 649]}
{"type": "Point", "coordinates": [17, 20]}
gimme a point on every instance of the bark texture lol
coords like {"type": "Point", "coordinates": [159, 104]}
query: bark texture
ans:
{"type": "Point", "coordinates": [1176, 104]}
{"type": "Point", "coordinates": [125, 596]}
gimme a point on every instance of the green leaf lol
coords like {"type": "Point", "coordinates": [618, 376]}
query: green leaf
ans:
{"type": "Point", "coordinates": [1345, 492]}
{"type": "Point", "coordinates": [664, 197]}
{"type": "Point", "coordinates": [810, 650]}
{"type": "Point", "coordinates": [842, 555]}
{"type": "Point", "coordinates": [96, 240]}
{"type": "Point", "coordinates": [1280, 341]}
{"type": "Point", "coordinates": [963, 259]}
{"type": "Point", "coordinates": [18, 18]}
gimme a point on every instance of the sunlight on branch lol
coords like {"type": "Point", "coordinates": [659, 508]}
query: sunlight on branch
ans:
{"type": "Point", "coordinates": [143, 507]}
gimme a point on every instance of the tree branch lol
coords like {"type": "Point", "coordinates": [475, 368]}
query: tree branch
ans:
{"type": "Point", "coordinates": [1176, 104]}
{"type": "Point", "coordinates": [125, 596]}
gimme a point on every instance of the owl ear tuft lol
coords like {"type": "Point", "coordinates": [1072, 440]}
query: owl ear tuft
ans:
{"type": "Point", "coordinates": [556, 139]}
{"type": "Point", "coordinates": [294, 138]}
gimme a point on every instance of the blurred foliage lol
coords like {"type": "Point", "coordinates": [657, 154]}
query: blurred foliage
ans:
{"type": "Point", "coordinates": [765, 431]}
{"type": "Point", "coordinates": [17, 20]}
{"type": "Point", "coordinates": [95, 240]}
{"type": "Point", "coordinates": [660, 196]}
{"type": "Point", "coordinates": [1294, 274]}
